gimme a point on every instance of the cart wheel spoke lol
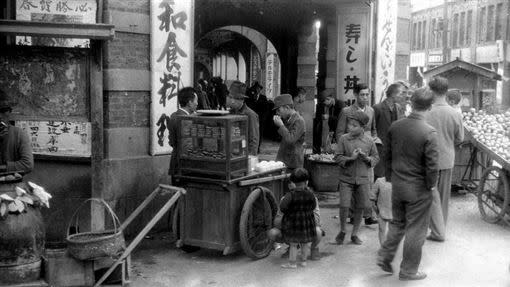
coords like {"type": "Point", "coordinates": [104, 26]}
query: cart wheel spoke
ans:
{"type": "Point", "coordinates": [493, 194]}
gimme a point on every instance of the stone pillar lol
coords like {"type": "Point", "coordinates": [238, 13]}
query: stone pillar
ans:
{"type": "Point", "coordinates": [331, 57]}
{"type": "Point", "coordinates": [306, 65]}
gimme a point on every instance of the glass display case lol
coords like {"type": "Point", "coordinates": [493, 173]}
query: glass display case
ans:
{"type": "Point", "coordinates": [213, 146]}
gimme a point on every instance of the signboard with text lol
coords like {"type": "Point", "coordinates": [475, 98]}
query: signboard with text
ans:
{"type": "Point", "coordinates": [353, 52]}
{"type": "Point", "coordinates": [171, 64]}
{"type": "Point", "coordinates": [60, 11]}
{"type": "Point", "coordinates": [385, 47]}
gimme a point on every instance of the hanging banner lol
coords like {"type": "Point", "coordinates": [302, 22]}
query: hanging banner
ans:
{"type": "Point", "coordinates": [270, 75]}
{"type": "Point", "coordinates": [171, 64]}
{"type": "Point", "coordinates": [385, 47]}
{"type": "Point", "coordinates": [353, 50]}
{"type": "Point", "coordinates": [60, 11]}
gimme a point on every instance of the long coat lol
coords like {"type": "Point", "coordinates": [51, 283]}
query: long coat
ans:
{"type": "Point", "coordinates": [291, 151]}
{"type": "Point", "coordinates": [16, 150]}
{"type": "Point", "coordinates": [383, 120]}
{"type": "Point", "coordinates": [253, 128]}
{"type": "Point", "coordinates": [173, 129]}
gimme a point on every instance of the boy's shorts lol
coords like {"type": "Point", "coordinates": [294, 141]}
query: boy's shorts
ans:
{"type": "Point", "coordinates": [360, 193]}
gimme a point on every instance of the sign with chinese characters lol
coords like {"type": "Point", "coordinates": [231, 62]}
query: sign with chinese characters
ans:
{"type": "Point", "coordinates": [270, 75]}
{"type": "Point", "coordinates": [417, 59]}
{"type": "Point", "coordinates": [60, 11]}
{"type": "Point", "coordinates": [353, 52]}
{"type": "Point", "coordinates": [435, 59]}
{"type": "Point", "coordinates": [58, 137]}
{"type": "Point", "coordinates": [385, 47]}
{"type": "Point", "coordinates": [171, 64]}
{"type": "Point", "coordinates": [255, 65]}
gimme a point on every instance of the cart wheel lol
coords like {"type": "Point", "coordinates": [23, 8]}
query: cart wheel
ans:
{"type": "Point", "coordinates": [256, 219]}
{"type": "Point", "coordinates": [493, 194]}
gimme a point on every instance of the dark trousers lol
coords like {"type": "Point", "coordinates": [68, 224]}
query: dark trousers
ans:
{"type": "Point", "coordinates": [411, 216]}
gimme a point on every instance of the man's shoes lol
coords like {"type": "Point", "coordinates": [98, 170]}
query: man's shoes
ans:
{"type": "Point", "coordinates": [355, 239]}
{"type": "Point", "coordinates": [433, 238]}
{"type": "Point", "coordinates": [314, 254]}
{"type": "Point", "coordinates": [339, 239]}
{"type": "Point", "coordinates": [370, 221]}
{"type": "Point", "coordinates": [409, 277]}
{"type": "Point", "coordinates": [385, 265]}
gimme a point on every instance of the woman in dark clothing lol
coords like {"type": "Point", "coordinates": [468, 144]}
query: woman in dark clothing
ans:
{"type": "Point", "coordinates": [298, 223]}
{"type": "Point", "coordinates": [328, 108]}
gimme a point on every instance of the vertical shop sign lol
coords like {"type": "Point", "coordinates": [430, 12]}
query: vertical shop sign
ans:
{"type": "Point", "coordinates": [353, 51]}
{"type": "Point", "coordinates": [385, 46]}
{"type": "Point", "coordinates": [270, 74]}
{"type": "Point", "coordinates": [61, 11]}
{"type": "Point", "coordinates": [255, 65]}
{"type": "Point", "coordinates": [171, 64]}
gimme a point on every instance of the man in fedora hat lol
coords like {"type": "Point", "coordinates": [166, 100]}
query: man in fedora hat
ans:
{"type": "Point", "coordinates": [235, 101]}
{"type": "Point", "coordinates": [291, 126]}
{"type": "Point", "coordinates": [15, 148]}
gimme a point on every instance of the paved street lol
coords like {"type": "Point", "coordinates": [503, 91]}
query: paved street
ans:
{"type": "Point", "coordinates": [476, 253]}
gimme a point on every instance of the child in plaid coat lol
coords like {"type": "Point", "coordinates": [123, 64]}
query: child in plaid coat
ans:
{"type": "Point", "coordinates": [298, 223]}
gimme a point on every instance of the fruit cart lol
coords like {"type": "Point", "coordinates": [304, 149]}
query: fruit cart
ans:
{"type": "Point", "coordinates": [227, 207]}
{"type": "Point", "coordinates": [490, 157]}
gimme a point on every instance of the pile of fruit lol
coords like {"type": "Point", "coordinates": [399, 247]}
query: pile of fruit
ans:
{"type": "Point", "coordinates": [493, 130]}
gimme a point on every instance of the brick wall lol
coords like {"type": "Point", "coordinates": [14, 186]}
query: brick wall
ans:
{"type": "Point", "coordinates": [126, 109]}
{"type": "Point", "coordinates": [128, 51]}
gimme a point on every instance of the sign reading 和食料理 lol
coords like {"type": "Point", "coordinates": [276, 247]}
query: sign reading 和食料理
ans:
{"type": "Point", "coordinates": [171, 64]}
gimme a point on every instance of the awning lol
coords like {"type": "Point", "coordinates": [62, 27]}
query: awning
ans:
{"type": "Point", "coordinates": [462, 65]}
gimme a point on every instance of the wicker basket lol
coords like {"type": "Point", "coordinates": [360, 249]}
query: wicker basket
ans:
{"type": "Point", "coordinates": [323, 175]}
{"type": "Point", "coordinates": [95, 244]}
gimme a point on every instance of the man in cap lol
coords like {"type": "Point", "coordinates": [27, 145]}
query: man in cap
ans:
{"type": "Point", "coordinates": [236, 103]}
{"type": "Point", "coordinates": [16, 152]}
{"type": "Point", "coordinates": [291, 126]}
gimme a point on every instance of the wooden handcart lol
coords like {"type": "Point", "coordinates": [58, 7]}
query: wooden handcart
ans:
{"type": "Point", "coordinates": [229, 215]}
{"type": "Point", "coordinates": [488, 176]}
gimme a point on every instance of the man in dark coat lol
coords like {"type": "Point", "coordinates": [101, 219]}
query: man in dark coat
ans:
{"type": "Point", "coordinates": [385, 113]}
{"type": "Point", "coordinates": [15, 147]}
{"type": "Point", "coordinates": [327, 109]}
{"type": "Point", "coordinates": [260, 105]}
{"type": "Point", "coordinates": [235, 101]}
{"type": "Point", "coordinates": [412, 168]}
{"type": "Point", "coordinates": [291, 126]}
{"type": "Point", "coordinates": [188, 102]}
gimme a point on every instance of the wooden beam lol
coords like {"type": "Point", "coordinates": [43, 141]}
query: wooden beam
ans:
{"type": "Point", "coordinates": [61, 30]}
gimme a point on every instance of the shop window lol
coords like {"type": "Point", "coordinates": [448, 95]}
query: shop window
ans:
{"type": "Point", "coordinates": [482, 24]}
{"type": "Point", "coordinates": [439, 34]}
{"type": "Point", "coordinates": [424, 35]}
{"type": "Point", "coordinates": [415, 34]}
{"type": "Point", "coordinates": [455, 30]}
{"type": "Point", "coordinates": [490, 24]}
{"type": "Point", "coordinates": [500, 21]}
{"type": "Point", "coordinates": [433, 34]}
{"type": "Point", "coordinates": [468, 26]}
{"type": "Point", "coordinates": [418, 44]}
{"type": "Point", "coordinates": [462, 28]}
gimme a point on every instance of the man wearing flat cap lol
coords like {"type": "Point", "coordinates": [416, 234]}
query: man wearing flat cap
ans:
{"type": "Point", "coordinates": [291, 126]}
{"type": "Point", "coordinates": [235, 101]}
{"type": "Point", "coordinates": [15, 148]}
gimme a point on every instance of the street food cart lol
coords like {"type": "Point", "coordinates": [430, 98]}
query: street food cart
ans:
{"type": "Point", "coordinates": [227, 206]}
{"type": "Point", "coordinates": [489, 140]}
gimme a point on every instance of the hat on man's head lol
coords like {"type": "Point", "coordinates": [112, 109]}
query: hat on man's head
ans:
{"type": "Point", "coordinates": [359, 116]}
{"type": "Point", "coordinates": [282, 100]}
{"type": "Point", "coordinates": [238, 90]}
{"type": "Point", "coordinates": [5, 102]}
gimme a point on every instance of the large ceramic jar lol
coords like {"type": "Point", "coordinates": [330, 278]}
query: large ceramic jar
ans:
{"type": "Point", "coordinates": [22, 237]}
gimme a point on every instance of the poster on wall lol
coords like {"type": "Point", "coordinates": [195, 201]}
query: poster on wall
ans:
{"type": "Point", "coordinates": [353, 51]}
{"type": "Point", "coordinates": [60, 138]}
{"type": "Point", "coordinates": [270, 75]}
{"type": "Point", "coordinates": [171, 64]}
{"type": "Point", "coordinates": [385, 47]}
{"type": "Point", "coordinates": [57, 11]}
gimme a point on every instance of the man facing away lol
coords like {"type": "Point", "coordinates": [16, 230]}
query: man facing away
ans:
{"type": "Point", "coordinates": [188, 102]}
{"type": "Point", "coordinates": [450, 132]}
{"type": "Point", "coordinates": [291, 126]}
{"type": "Point", "coordinates": [412, 169]}
{"type": "Point", "coordinates": [236, 103]}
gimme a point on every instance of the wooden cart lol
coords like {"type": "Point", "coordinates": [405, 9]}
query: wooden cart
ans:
{"type": "Point", "coordinates": [226, 207]}
{"type": "Point", "coordinates": [229, 215]}
{"type": "Point", "coordinates": [492, 186]}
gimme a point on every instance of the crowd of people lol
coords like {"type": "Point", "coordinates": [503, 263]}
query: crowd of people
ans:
{"type": "Point", "coordinates": [395, 164]}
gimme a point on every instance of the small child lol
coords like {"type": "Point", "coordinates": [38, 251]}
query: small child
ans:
{"type": "Point", "coordinates": [356, 154]}
{"type": "Point", "coordinates": [453, 97]}
{"type": "Point", "coordinates": [381, 198]}
{"type": "Point", "coordinates": [298, 222]}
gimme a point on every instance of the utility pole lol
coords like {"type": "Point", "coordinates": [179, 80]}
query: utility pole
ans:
{"type": "Point", "coordinates": [445, 32]}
